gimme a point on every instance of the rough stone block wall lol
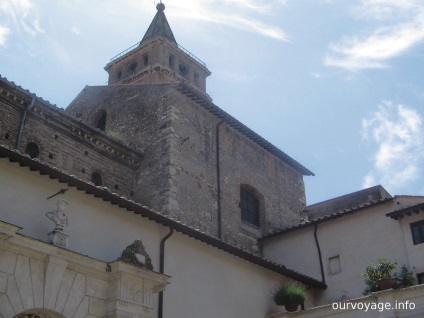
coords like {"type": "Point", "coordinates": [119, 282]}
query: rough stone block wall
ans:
{"type": "Point", "coordinates": [193, 161]}
{"type": "Point", "coordinates": [242, 162]}
{"type": "Point", "coordinates": [279, 188]}
{"type": "Point", "coordinates": [139, 117]}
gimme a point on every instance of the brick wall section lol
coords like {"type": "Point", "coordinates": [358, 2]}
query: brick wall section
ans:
{"type": "Point", "coordinates": [65, 142]}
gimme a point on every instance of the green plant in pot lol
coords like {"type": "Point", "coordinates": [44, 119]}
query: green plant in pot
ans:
{"type": "Point", "coordinates": [404, 277]}
{"type": "Point", "coordinates": [379, 277]}
{"type": "Point", "coordinates": [290, 295]}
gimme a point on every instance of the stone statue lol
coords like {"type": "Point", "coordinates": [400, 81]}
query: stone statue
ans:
{"type": "Point", "coordinates": [59, 217]}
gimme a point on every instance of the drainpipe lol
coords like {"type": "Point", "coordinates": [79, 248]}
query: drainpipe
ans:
{"type": "Point", "coordinates": [218, 179]}
{"type": "Point", "coordinates": [319, 253]}
{"type": "Point", "coordinates": [162, 268]}
{"type": "Point", "coordinates": [23, 119]}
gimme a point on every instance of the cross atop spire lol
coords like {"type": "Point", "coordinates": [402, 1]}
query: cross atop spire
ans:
{"type": "Point", "coordinates": [159, 26]}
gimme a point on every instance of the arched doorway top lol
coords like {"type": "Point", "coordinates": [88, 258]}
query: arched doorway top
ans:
{"type": "Point", "coordinates": [39, 313]}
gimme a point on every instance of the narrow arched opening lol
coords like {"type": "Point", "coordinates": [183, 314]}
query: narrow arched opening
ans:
{"type": "Point", "coordinates": [97, 178]}
{"type": "Point", "coordinates": [32, 150]}
{"type": "Point", "coordinates": [101, 121]}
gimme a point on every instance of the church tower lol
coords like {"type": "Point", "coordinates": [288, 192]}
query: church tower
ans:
{"type": "Point", "coordinates": [200, 166]}
{"type": "Point", "coordinates": [158, 59]}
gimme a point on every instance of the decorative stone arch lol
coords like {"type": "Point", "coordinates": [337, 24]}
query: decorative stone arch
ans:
{"type": "Point", "coordinates": [39, 313]}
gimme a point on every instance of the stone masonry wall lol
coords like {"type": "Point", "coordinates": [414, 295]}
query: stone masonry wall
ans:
{"type": "Point", "coordinates": [138, 116]}
{"type": "Point", "coordinates": [242, 162]}
{"type": "Point", "coordinates": [65, 144]}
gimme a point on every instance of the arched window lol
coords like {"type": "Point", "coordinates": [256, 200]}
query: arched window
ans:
{"type": "Point", "coordinates": [97, 178]}
{"type": "Point", "coordinates": [32, 150]}
{"type": "Point", "coordinates": [249, 204]}
{"type": "Point", "coordinates": [101, 121]}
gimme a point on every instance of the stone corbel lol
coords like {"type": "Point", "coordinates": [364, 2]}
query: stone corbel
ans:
{"type": "Point", "coordinates": [131, 289]}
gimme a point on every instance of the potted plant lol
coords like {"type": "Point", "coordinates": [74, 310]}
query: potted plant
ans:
{"type": "Point", "coordinates": [379, 277]}
{"type": "Point", "coordinates": [405, 277]}
{"type": "Point", "coordinates": [290, 295]}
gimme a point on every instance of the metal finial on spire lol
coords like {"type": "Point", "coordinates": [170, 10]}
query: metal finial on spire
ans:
{"type": "Point", "coordinates": [160, 6]}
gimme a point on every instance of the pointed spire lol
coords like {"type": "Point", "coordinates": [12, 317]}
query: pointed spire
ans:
{"type": "Point", "coordinates": [159, 26]}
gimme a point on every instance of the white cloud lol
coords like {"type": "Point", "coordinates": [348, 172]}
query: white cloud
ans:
{"type": "Point", "coordinates": [403, 28]}
{"type": "Point", "coordinates": [22, 16]}
{"type": "Point", "coordinates": [397, 133]}
{"type": "Point", "coordinates": [247, 15]}
{"type": "Point", "coordinates": [4, 33]}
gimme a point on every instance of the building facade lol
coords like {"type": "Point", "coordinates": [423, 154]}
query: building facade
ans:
{"type": "Point", "coordinates": [143, 198]}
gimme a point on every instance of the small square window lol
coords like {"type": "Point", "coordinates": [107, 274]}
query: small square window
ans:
{"type": "Point", "coordinates": [334, 265]}
{"type": "Point", "coordinates": [417, 230]}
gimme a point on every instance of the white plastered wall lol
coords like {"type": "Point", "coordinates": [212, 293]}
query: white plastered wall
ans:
{"type": "Point", "coordinates": [357, 239]}
{"type": "Point", "coordinates": [205, 281]}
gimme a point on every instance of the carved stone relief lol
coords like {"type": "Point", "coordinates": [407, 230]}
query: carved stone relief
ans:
{"type": "Point", "coordinates": [135, 254]}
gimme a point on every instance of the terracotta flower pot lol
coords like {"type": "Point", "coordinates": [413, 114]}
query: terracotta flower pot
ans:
{"type": "Point", "coordinates": [386, 283]}
{"type": "Point", "coordinates": [291, 307]}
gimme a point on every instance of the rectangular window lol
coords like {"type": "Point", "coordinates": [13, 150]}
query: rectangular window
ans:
{"type": "Point", "coordinates": [335, 265]}
{"type": "Point", "coordinates": [420, 278]}
{"type": "Point", "coordinates": [171, 60]}
{"type": "Point", "coordinates": [196, 78]}
{"type": "Point", "coordinates": [249, 207]}
{"type": "Point", "coordinates": [417, 230]}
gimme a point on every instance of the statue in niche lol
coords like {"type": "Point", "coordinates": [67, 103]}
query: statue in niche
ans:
{"type": "Point", "coordinates": [59, 217]}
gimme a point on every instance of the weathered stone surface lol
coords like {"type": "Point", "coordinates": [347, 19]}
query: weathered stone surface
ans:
{"type": "Point", "coordinates": [24, 282]}
{"type": "Point", "coordinates": [37, 277]}
{"type": "Point", "coordinates": [97, 307]}
{"type": "Point", "coordinates": [82, 310]}
{"type": "Point", "coordinates": [6, 309]}
{"type": "Point", "coordinates": [7, 262]}
{"type": "Point", "coordinates": [64, 290]}
{"type": "Point", "coordinates": [13, 294]}
{"type": "Point", "coordinates": [96, 288]}
{"type": "Point", "coordinates": [3, 282]}
{"type": "Point", "coordinates": [76, 295]}
{"type": "Point", "coordinates": [54, 272]}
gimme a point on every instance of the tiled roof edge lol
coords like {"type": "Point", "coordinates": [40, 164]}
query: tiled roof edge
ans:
{"type": "Point", "coordinates": [332, 216]}
{"type": "Point", "coordinates": [106, 195]}
{"type": "Point", "coordinates": [417, 208]}
{"type": "Point", "coordinates": [243, 129]}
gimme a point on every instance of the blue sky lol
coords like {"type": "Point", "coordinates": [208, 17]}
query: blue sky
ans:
{"type": "Point", "coordinates": [337, 85]}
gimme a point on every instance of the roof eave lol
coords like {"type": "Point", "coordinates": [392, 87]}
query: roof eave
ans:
{"type": "Point", "coordinates": [137, 208]}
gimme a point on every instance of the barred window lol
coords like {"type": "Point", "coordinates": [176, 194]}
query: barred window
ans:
{"type": "Point", "coordinates": [249, 204]}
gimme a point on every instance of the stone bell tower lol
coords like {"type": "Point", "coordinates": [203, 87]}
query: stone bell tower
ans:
{"type": "Point", "coordinates": [158, 59]}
